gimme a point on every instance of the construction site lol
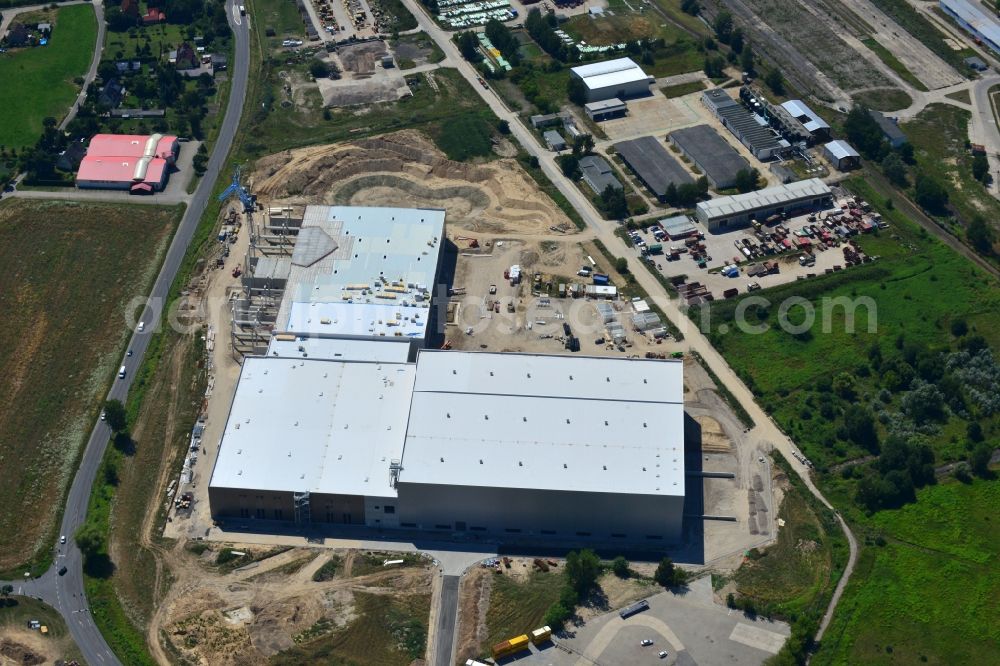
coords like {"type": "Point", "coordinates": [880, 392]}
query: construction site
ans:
{"type": "Point", "coordinates": [505, 244]}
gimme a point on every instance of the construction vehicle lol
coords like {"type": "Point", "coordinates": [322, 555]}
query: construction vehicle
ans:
{"type": "Point", "coordinates": [511, 646]}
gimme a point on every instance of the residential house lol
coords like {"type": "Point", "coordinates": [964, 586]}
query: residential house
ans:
{"type": "Point", "coordinates": [154, 16]}
{"type": "Point", "coordinates": [186, 58]}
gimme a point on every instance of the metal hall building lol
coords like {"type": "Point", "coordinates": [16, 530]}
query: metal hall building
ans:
{"type": "Point", "coordinates": [620, 78]}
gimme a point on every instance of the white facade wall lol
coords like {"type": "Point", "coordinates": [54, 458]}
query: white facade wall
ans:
{"type": "Point", "coordinates": [621, 91]}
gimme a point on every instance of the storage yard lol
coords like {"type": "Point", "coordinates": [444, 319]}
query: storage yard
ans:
{"type": "Point", "coordinates": [774, 250]}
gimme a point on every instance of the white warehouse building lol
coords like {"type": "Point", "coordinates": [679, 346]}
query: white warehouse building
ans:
{"type": "Point", "coordinates": [620, 78]}
{"type": "Point", "coordinates": [510, 445]}
{"type": "Point", "coordinates": [349, 420]}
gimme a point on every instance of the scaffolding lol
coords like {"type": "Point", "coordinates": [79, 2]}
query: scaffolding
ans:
{"type": "Point", "coordinates": [254, 309]}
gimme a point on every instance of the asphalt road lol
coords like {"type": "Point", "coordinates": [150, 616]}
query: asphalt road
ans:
{"type": "Point", "coordinates": [65, 593]}
{"type": "Point", "coordinates": [444, 634]}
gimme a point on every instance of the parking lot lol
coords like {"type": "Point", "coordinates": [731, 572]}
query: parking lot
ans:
{"type": "Point", "coordinates": [690, 627]}
{"type": "Point", "coordinates": [800, 247]}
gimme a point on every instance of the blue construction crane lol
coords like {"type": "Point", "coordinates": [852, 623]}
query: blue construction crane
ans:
{"type": "Point", "coordinates": [249, 201]}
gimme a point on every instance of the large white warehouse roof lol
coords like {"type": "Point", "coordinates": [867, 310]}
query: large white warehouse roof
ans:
{"type": "Point", "coordinates": [528, 421]}
{"type": "Point", "coordinates": [318, 426]}
{"type": "Point", "coordinates": [610, 73]}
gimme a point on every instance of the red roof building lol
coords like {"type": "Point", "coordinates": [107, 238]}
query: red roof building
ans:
{"type": "Point", "coordinates": [153, 16]}
{"type": "Point", "coordinates": [140, 164]}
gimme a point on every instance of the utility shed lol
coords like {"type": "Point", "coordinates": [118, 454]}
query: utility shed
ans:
{"type": "Point", "coordinates": [890, 130]}
{"type": "Point", "coordinates": [525, 445]}
{"type": "Point", "coordinates": [554, 140]}
{"type": "Point", "coordinates": [653, 165]}
{"type": "Point", "coordinates": [841, 155]}
{"type": "Point", "coordinates": [598, 174]}
{"type": "Point", "coordinates": [725, 213]}
{"type": "Point", "coordinates": [619, 78]}
{"type": "Point", "coordinates": [604, 109]}
{"type": "Point", "coordinates": [717, 159]}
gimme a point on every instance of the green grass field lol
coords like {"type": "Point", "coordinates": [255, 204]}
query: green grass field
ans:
{"type": "Point", "coordinates": [925, 595]}
{"type": "Point", "coordinates": [797, 573]}
{"type": "Point", "coordinates": [906, 285]}
{"type": "Point", "coordinates": [71, 270]}
{"type": "Point", "coordinates": [280, 16]}
{"type": "Point", "coordinates": [162, 39]}
{"type": "Point", "coordinates": [930, 594]}
{"type": "Point", "coordinates": [38, 82]}
{"type": "Point", "coordinates": [883, 99]}
{"type": "Point", "coordinates": [389, 630]}
{"type": "Point", "coordinates": [682, 89]}
{"type": "Point", "coordinates": [518, 607]}
{"type": "Point", "coordinates": [282, 129]}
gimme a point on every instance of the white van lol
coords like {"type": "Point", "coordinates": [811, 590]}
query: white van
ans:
{"type": "Point", "coordinates": [121, 372]}
{"type": "Point", "coordinates": [141, 327]}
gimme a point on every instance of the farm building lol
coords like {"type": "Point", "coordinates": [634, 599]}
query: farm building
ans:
{"type": "Point", "coordinates": [759, 139]}
{"type": "Point", "coordinates": [577, 448]}
{"type": "Point", "coordinates": [972, 17]}
{"type": "Point", "coordinates": [620, 78]}
{"type": "Point", "coordinates": [362, 432]}
{"type": "Point", "coordinates": [652, 164]}
{"type": "Point", "coordinates": [598, 174]}
{"type": "Point", "coordinates": [890, 130]}
{"type": "Point", "coordinates": [726, 213]}
{"type": "Point", "coordinates": [710, 152]}
{"type": "Point", "coordinates": [605, 109]}
{"type": "Point", "coordinates": [841, 155]}
{"type": "Point", "coordinates": [140, 164]}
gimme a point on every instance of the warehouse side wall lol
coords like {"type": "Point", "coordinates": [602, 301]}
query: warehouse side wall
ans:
{"type": "Point", "coordinates": [517, 512]}
{"type": "Point", "coordinates": [245, 503]}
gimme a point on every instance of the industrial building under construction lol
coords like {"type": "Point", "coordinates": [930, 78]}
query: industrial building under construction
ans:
{"type": "Point", "coordinates": [342, 416]}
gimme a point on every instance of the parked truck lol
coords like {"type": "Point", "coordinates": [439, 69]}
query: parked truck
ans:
{"type": "Point", "coordinates": [539, 636]}
{"type": "Point", "coordinates": [655, 248]}
{"type": "Point", "coordinates": [601, 278]}
{"type": "Point", "coordinates": [511, 646]}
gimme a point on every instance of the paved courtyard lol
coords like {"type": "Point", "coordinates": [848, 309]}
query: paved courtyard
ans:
{"type": "Point", "coordinates": [690, 627]}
